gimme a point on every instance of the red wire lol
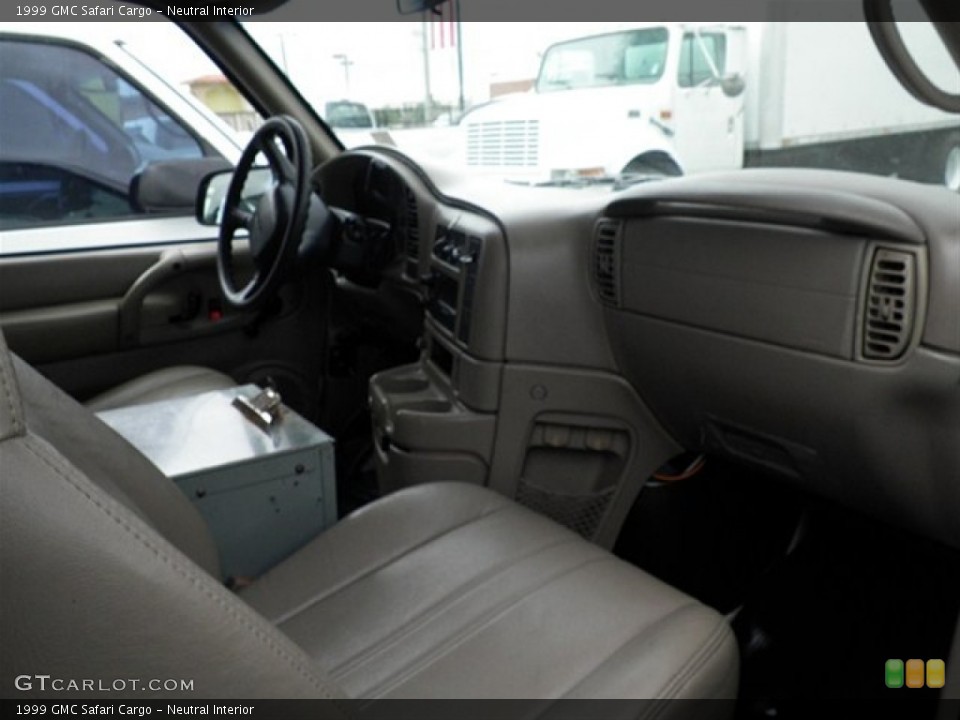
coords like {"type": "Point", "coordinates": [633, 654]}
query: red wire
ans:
{"type": "Point", "coordinates": [694, 468]}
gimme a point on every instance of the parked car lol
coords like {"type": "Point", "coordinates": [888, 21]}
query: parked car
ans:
{"type": "Point", "coordinates": [689, 439]}
{"type": "Point", "coordinates": [349, 115]}
{"type": "Point", "coordinates": [80, 117]}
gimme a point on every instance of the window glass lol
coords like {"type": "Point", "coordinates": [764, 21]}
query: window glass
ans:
{"type": "Point", "coordinates": [32, 193]}
{"type": "Point", "coordinates": [614, 59]}
{"type": "Point", "coordinates": [702, 58]}
{"type": "Point", "coordinates": [72, 135]}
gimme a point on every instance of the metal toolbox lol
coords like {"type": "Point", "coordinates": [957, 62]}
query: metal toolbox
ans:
{"type": "Point", "coordinates": [264, 491]}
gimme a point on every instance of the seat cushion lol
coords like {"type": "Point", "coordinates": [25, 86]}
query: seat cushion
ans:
{"type": "Point", "coordinates": [166, 384]}
{"type": "Point", "coordinates": [449, 590]}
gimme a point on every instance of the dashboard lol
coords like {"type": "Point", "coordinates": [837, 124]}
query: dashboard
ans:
{"type": "Point", "coordinates": [805, 322]}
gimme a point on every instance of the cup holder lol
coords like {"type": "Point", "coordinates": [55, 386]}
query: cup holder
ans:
{"type": "Point", "coordinates": [427, 407]}
{"type": "Point", "coordinates": [403, 385]}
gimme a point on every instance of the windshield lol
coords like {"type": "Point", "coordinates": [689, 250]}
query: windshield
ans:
{"type": "Point", "coordinates": [519, 102]}
{"type": "Point", "coordinates": [575, 104]}
{"type": "Point", "coordinates": [638, 56]}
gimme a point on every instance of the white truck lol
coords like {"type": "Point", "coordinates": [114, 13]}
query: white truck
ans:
{"type": "Point", "coordinates": [680, 98]}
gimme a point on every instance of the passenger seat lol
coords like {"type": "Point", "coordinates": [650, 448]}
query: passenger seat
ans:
{"type": "Point", "coordinates": [439, 591]}
{"type": "Point", "coordinates": [166, 384]}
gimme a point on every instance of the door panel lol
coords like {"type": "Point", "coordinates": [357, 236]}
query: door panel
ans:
{"type": "Point", "coordinates": [176, 299]}
{"type": "Point", "coordinates": [92, 319]}
{"type": "Point", "coordinates": [95, 290]}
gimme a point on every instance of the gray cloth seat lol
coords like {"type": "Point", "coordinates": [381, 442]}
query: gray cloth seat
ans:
{"type": "Point", "coordinates": [450, 590]}
{"type": "Point", "coordinates": [440, 591]}
{"type": "Point", "coordinates": [166, 384]}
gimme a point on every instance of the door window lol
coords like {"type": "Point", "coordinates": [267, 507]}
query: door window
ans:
{"type": "Point", "coordinates": [73, 133]}
{"type": "Point", "coordinates": [703, 58]}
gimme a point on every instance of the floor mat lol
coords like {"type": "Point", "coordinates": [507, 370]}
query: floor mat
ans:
{"type": "Point", "coordinates": [713, 535]}
{"type": "Point", "coordinates": [822, 595]}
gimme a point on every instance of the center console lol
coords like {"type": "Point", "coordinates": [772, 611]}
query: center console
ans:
{"type": "Point", "coordinates": [527, 407]}
{"type": "Point", "coordinates": [452, 280]}
{"type": "Point", "coordinates": [436, 420]}
{"type": "Point", "coordinates": [465, 283]}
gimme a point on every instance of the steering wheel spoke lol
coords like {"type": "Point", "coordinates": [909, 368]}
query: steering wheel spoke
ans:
{"type": "Point", "coordinates": [276, 224]}
{"type": "Point", "coordinates": [250, 288]}
{"type": "Point", "coordinates": [241, 219]}
{"type": "Point", "coordinates": [280, 163]}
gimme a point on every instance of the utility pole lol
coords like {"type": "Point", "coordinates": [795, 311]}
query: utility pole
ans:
{"type": "Point", "coordinates": [428, 95]}
{"type": "Point", "coordinates": [283, 54]}
{"type": "Point", "coordinates": [459, 55]}
{"type": "Point", "coordinates": [346, 62]}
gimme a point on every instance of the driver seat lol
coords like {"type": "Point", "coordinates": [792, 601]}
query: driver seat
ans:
{"type": "Point", "coordinates": [439, 591]}
{"type": "Point", "coordinates": [167, 384]}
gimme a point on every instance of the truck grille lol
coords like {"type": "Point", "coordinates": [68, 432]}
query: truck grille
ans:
{"type": "Point", "coordinates": [504, 143]}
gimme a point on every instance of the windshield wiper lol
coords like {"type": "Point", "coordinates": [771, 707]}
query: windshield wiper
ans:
{"type": "Point", "coordinates": [572, 183]}
{"type": "Point", "coordinates": [620, 182]}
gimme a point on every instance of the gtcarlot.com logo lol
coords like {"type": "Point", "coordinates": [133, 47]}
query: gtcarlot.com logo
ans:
{"type": "Point", "coordinates": [47, 683]}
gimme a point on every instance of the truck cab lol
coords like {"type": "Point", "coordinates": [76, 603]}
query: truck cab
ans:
{"type": "Point", "coordinates": [634, 88]}
{"type": "Point", "coordinates": [669, 99]}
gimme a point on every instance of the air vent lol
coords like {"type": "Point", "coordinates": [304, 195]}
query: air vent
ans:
{"type": "Point", "coordinates": [412, 241]}
{"type": "Point", "coordinates": [606, 261]}
{"type": "Point", "coordinates": [890, 302]}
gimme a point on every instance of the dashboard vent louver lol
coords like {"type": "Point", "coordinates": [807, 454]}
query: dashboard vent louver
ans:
{"type": "Point", "coordinates": [606, 261]}
{"type": "Point", "coordinates": [413, 226]}
{"type": "Point", "coordinates": [412, 240]}
{"type": "Point", "coordinates": [891, 294]}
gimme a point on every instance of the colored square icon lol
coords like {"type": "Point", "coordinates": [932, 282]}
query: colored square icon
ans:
{"type": "Point", "coordinates": [936, 673]}
{"type": "Point", "coordinates": [915, 673]}
{"type": "Point", "coordinates": [893, 673]}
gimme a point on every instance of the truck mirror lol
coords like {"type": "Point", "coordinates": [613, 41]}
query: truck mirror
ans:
{"type": "Point", "coordinates": [733, 85]}
{"type": "Point", "coordinates": [169, 186]}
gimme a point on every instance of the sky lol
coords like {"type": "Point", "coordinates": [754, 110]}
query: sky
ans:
{"type": "Point", "coordinates": [384, 54]}
{"type": "Point", "coordinates": [386, 59]}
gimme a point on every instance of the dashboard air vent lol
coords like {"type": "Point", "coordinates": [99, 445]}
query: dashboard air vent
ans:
{"type": "Point", "coordinates": [890, 301]}
{"type": "Point", "coordinates": [606, 261]}
{"type": "Point", "coordinates": [412, 240]}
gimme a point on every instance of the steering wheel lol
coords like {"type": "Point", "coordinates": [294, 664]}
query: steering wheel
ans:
{"type": "Point", "coordinates": [277, 223]}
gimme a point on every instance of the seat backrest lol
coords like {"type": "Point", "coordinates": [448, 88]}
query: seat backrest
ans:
{"type": "Point", "coordinates": [114, 465]}
{"type": "Point", "coordinates": [91, 587]}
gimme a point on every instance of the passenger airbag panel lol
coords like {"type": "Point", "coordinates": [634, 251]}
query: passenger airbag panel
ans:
{"type": "Point", "coordinates": [785, 286]}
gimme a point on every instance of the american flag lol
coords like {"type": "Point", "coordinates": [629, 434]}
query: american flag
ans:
{"type": "Point", "coordinates": [443, 25]}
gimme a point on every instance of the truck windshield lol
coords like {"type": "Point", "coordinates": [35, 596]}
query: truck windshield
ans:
{"type": "Point", "coordinates": [624, 58]}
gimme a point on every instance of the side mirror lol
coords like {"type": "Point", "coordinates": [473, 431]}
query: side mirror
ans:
{"type": "Point", "coordinates": [170, 186]}
{"type": "Point", "coordinates": [213, 191]}
{"type": "Point", "coordinates": [733, 85]}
